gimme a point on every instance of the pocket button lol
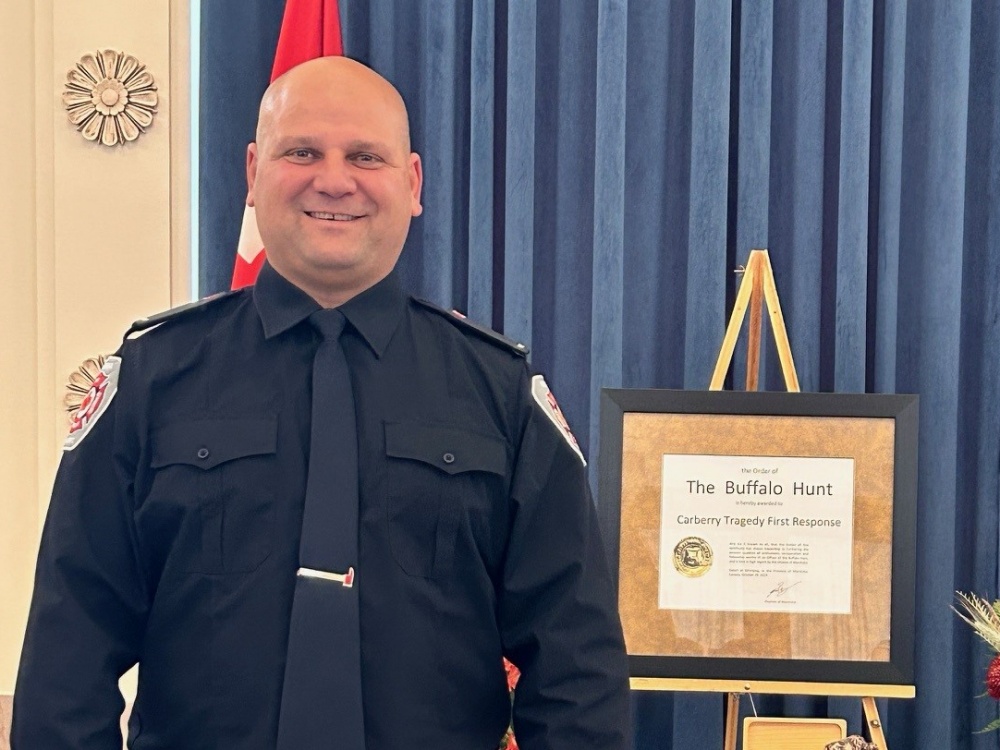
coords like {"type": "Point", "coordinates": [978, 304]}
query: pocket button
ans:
{"type": "Point", "coordinates": [448, 458]}
{"type": "Point", "coordinates": [203, 453]}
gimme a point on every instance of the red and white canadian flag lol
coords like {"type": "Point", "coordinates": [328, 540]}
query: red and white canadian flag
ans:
{"type": "Point", "coordinates": [309, 28]}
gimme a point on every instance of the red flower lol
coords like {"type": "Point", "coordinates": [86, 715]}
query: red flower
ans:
{"type": "Point", "coordinates": [513, 674]}
{"type": "Point", "coordinates": [509, 742]}
{"type": "Point", "coordinates": [993, 678]}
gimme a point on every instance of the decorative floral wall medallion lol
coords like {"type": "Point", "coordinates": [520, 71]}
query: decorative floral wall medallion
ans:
{"type": "Point", "coordinates": [110, 97]}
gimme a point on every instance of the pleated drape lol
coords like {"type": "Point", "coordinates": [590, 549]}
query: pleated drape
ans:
{"type": "Point", "coordinates": [237, 50]}
{"type": "Point", "coordinates": [595, 171]}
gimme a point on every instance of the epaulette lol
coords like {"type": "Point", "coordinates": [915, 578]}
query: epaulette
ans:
{"type": "Point", "coordinates": [483, 332]}
{"type": "Point", "coordinates": [175, 312]}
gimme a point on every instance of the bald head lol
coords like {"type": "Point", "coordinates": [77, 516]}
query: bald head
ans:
{"type": "Point", "coordinates": [350, 78]}
{"type": "Point", "coordinates": [332, 177]}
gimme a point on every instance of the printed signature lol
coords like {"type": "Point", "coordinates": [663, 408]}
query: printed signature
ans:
{"type": "Point", "coordinates": [779, 590]}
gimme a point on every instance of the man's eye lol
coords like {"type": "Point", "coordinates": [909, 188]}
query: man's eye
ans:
{"type": "Point", "coordinates": [300, 153]}
{"type": "Point", "coordinates": [366, 159]}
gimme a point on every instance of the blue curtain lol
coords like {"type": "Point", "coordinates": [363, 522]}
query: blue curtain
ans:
{"type": "Point", "coordinates": [595, 171]}
{"type": "Point", "coordinates": [237, 48]}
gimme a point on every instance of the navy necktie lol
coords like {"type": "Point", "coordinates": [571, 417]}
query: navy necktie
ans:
{"type": "Point", "coordinates": [321, 705]}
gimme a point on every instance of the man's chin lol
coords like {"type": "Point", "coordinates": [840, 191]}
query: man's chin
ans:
{"type": "Point", "coordinates": [337, 278]}
{"type": "Point", "coordinates": [334, 260]}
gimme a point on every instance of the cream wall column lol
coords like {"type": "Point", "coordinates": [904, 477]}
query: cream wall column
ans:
{"type": "Point", "coordinates": [18, 332]}
{"type": "Point", "coordinates": [94, 238]}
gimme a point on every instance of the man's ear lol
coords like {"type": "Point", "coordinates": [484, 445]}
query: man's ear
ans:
{"type": "Point", "coordinates": [416, 184]}
{"type": "Point", "coordinates": [251, 171]}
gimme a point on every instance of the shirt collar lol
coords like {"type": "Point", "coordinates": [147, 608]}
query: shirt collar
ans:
{"type": "Point", "coordinates": [375, 313]}
{"type": "Point", "coordinates": [279, 302]}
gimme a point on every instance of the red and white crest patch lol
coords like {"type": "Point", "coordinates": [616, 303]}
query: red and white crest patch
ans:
{"type": "Point", "coordinates": [544, 398]}
{"type": "Point", "coordinates": [95, 403]}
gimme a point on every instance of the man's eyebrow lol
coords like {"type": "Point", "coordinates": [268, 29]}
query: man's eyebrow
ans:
{"type": "Point", "coordinates": [308, 141]}
{"type": "Point", "coordinates": [366, 146]}
{"type": "Point", "coordinates": [295, 141]}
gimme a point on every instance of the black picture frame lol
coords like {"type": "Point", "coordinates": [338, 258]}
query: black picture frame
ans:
{"type": "Point", "coordinates": [902, 408]}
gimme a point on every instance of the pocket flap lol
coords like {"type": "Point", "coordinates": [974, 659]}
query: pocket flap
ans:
{"type": "Point", "coordinates": [206, 443]}
{"type": "Point", "coordinates": [450, 449]}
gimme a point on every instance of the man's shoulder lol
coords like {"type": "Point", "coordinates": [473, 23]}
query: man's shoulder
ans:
{"type": "Point", "coordinates": [474, 331]}
{"type": "Point", "coordinates": [196, 315]}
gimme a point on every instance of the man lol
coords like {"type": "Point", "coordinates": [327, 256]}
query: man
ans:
{"type": "Point", "coordinates": [173, 536]}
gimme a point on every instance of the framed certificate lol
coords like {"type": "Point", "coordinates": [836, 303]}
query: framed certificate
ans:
{"type": "Point", "coordinates": [762, 536]}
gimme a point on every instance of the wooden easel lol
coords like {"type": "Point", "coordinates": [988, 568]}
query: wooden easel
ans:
{"type": "Point", "coordinates": [758, 281]}
{"type": "Point", "coordinates": [758, 286]}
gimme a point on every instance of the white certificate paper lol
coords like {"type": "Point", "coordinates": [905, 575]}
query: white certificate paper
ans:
{"type": "Point", "coordinates": [756, 533]}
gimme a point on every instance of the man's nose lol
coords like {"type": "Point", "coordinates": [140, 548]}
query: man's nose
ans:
{"type": "Point", "coordinates": [334, 177]}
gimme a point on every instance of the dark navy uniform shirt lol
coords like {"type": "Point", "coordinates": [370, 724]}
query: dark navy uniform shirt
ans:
{"type": "Point", "coordinates": [172, 541]}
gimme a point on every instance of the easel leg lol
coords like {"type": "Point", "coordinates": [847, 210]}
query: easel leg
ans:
{"type": "Point", "coordinates": [732, 720]}
{"type": "Point", "coordinates": [753, 332]}
{"type": "Point", "coordinates": [735, 321]}
{"type": "Point", "coordinates": [873, 722]}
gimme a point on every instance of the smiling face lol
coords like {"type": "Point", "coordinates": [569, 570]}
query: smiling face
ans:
{"type": "Point", "coordinates": [332, 178]}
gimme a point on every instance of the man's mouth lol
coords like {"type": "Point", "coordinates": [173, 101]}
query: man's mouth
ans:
{"type": "Point", "coordinates": [325, 216]}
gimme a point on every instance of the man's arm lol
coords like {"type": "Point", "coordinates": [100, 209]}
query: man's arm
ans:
{"type": "Point", "coordinates": [89, 604]}
{"type": "Point", "coordinates": [559, 617]}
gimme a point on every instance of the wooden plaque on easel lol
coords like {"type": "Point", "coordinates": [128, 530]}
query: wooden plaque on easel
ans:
{"type": "Point", "coordinates": [679, 559]}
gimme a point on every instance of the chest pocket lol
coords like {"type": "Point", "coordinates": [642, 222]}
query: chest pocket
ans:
{"type": "Point", "coordinates": [437, 476]}
{"type": "Point", "coordinates": [214, 483]}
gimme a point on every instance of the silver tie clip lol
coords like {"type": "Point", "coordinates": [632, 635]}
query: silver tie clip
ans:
{"type": "Point", "coordinates": [345, 579]}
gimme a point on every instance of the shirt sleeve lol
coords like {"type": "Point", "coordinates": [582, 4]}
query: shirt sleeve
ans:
{"type": "Point", "coordinates": [89, 606]}
{"type": "Point", "coordinates": [558, 614]}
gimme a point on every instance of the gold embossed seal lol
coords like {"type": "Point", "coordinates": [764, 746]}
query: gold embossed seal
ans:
{"type": "Point", "coordinates": [692, 556]}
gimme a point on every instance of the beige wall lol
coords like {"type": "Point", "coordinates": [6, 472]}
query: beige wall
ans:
{"type": "Point", "coordinates": [93, 239]}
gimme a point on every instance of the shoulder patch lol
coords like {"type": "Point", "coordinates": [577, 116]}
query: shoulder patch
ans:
{"type": "Point", "coordinates": [102, 391]}
{"type": "Point", "coordinates": [175, 312]}
{"type": "Point", "coordinates": [482, 331]}
{"type": "Point", "coordinates": [544, 398]}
